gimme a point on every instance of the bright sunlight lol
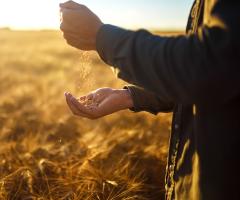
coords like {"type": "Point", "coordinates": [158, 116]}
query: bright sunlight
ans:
{"type": "Point", "coordinates": [44, 14]}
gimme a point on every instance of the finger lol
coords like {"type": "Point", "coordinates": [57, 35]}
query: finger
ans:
{"type": "Point", "coordinates": [76, 42]}
{"type": "Point", "coordinates": [69, 15]}
{"type": "Point", "coordinates": [71, 5]}
{"type": "Point", "coordinates": [81, 107]}
{"type": "Point", "coordinates": [68, 28]}
{"type": "Point", "coordinates": [92, 114]}
{"type": "Point", "coordinates": [72, 31]}
{"type": "Point", "coordinates": [74, 16]}
{"type": "Point", "coordinates": [74, 110]}
{"type": "Point", "coordinates": [68, 20]}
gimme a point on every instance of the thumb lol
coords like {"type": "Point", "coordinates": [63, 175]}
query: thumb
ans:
{"type": "Point", "coordinates": [70, 5]}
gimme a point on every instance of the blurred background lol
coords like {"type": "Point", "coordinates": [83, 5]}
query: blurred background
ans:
{"type": "Point", "coordinates": [45, 152]}
{"type": "Point", "coordinates": [152, 14]}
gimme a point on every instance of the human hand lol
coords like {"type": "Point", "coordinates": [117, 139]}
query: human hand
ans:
{"type": "Point", "coordinates": [100, 103]}
{"type": "Point", "coordinates": [79, 25]}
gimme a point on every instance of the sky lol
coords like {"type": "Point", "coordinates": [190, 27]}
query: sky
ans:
{"type": "Point", "coordinates": [44, 14]}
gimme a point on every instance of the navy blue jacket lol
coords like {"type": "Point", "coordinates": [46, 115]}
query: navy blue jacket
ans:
{"type": "Point", "coordinates": [197, 75]}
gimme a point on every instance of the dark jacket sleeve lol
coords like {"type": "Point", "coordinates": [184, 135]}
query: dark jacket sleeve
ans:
{"type": "Point", "coordinates": [195, 68]}
{"type": "Point", "coordinates": [144, 100]}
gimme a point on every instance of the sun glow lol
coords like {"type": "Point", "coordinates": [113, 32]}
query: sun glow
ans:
{"type": "Point", "coordinates": [44, 14]}
{"type": "Point", "coordinates": [29, 14]}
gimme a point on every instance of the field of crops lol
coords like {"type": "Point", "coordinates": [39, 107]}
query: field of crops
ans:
{"type": "Point", "coordinates": [48, 154]}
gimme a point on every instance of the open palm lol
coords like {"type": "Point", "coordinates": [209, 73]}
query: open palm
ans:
{"type": "Point", "coordinates": [99, 103]}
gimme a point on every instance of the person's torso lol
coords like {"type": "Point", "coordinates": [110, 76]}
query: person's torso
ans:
{"type": "Point", "coordinates": [203, 155]}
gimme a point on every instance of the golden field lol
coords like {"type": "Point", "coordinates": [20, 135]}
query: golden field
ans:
{"type": "Point", "coordinates": [48, 154]}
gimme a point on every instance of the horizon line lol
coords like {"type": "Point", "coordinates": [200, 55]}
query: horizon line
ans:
{"type": "Point", "coordinates": [175, 29]}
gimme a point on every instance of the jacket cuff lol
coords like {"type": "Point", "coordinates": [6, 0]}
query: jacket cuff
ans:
{"type": "Point", "coordinates": [144, 100]}
{"type": "Point", "coordinates": [107, 36]}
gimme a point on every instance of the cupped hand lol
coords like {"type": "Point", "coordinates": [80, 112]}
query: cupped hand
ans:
{"type": "Point", "coordinates": [100, 103]}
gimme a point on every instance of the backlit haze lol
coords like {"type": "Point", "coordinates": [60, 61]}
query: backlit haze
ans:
{"type": "Point", "coordinates": [151, 14]}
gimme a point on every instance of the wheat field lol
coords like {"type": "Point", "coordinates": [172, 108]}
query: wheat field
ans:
{"type": "Point", "coordinates": [48, 154]}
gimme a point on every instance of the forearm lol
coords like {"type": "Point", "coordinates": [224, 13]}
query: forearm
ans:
{"type": "Point", "coordinates": [182, 69]}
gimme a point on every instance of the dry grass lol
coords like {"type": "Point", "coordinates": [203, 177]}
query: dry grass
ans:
{"type": "Point", "coordinates": [46, 153]}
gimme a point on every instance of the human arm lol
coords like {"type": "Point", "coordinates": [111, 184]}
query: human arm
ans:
{"type": "Point", "coordinates": [183, 69]}
{"type": "Point", "coordinates": [199, 68]}
{"type": "Point", "coordinates": [105, 101]}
